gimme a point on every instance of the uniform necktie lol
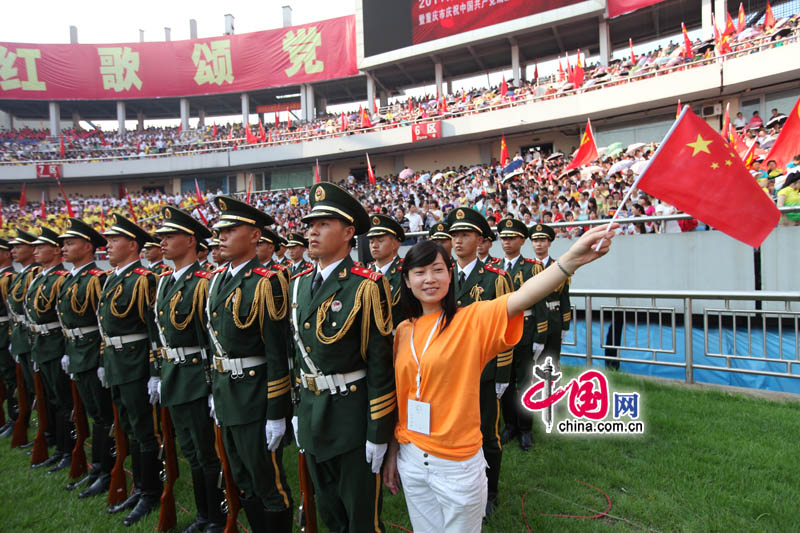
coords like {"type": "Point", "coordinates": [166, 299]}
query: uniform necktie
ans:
{"type": "Point", "coordinates": [508, 266]}
{"type": "Point", "coordinates": [227, 277]}
{"type": "Point", "coordinates": [316, 282]}
{"type": "Point", "coordinates": [461, 279]}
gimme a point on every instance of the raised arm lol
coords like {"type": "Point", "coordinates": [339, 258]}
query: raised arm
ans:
{"type": "Point", "coordinates": [579, 254]}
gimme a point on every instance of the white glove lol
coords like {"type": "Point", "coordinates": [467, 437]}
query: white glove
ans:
{"type": "Point", "coordinates": [211, 411]}
{"type": "Point", "coordinates": [500, 388]}
{"type": "Point", "coordinates": [65, 364]}
{"type": "Point", "coordinates": [374, 454]}
{"type": "Point", "coordinates": [295, 425]}
{"type": "Point", "coordinates": [537, 350]}
{"type": "Point", "coordinates": [564, 333]}
{"type": "Point", "coordinates": [101, 375]}
{"type": "Point", "coordinates": [16, 358]}
{"type": "Point", "coordinates": [154, 389]}
{"type": "Point", "coordinates": [275, 430]}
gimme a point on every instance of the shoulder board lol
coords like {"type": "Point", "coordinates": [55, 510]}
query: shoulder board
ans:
{"type": "Point", "coordinates": [279, 266]}
{"type": "Point", "coordinates": [366, 273]}
{"type": "Point", "coordinates": [498, 271]}
{"type": "Point", "coordinates": [163, 274]}
{"type": "Point", "coordinates": [202, 274]}
{"type": "Point", "coordinates": [62, 272]}
{"type": "Point", "coordinates": [261, 271]}
{"type": "Point", "coordinates": [359, 264]}
{"type": "Point", "coordinates": [494, 261]}
{"type": "Point", "coordinates": [142, 271]}
{"type": "Point", "coordinates": [97, 272]}
{"type": "Point", "coordinates": [534, 261]}
{"type": "Point", "coordinates": [9, 273]}
{"type": "Point", "coordinates": [303, 272]}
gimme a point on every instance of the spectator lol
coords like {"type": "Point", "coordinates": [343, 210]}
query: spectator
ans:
{"type": "Point", "coordinates": [789, 196]}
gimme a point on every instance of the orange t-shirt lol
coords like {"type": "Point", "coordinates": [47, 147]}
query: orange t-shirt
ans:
{"type": "Point", "coordinates": [451, 374]}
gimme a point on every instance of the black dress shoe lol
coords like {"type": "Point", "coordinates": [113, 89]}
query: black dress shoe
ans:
{"type": "Point", "coordinates": [215, 528]}
{"type": "Point", "coordinates": [509, 433]}
{"type": "Point", "coordinates": [26, 445]}
{"type": "Point", "coordinates": [491, 506]}
{"type": "Point", "coordinates": [53, 459]}
{"type": "Point", "coordinates": [99, 486]}
{"type": "Point", "coordinates": [65, 462]}
{"type": "Point", "coordinates": [200, 523]}
{"type": "Point", "coordinates": [72, 485]}
{"type": "Point", "coordinates": [129, 503]}
{"type": "Point", "coordinates": [525, 441]}
{"type": "Point", "coordinates": [7, 430]}
{"type": "Point", "coordinates": [144, 507]}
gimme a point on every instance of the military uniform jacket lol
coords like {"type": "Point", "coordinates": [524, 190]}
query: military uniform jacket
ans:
{"type": "Point", "coordinates": [345, 326]}
{"type": "Point", "coordinates": [394, 275]}
{"type": "Point", "coordinates": [20, 334]}
{"type": "Point", "coordinates": [40, 306]}
{"type": "Point", "coordinates": [248, 317]}
{"type": "Point", "coordinates": [6, 276]}
{"type": "Point", "coordinates": [535, 325]}
{"type": "Point", "coordinates": [180, 316]}
{"type": "Point", "coordinates": [77, 307]}
{"type": "Point", "coordinates": [126, 308]}
{"type": "Point", "coordinates": [487, 283]}
{"type": "Point", "coordinates": [560, 318]}
{"type": "Point", "coordinates": [159, 267]}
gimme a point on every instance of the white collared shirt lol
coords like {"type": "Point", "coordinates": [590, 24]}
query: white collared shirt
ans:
{"type": "Point", "coordinates": [328, 270]}
{"type": "Point", "coordinates": [385, 268]}
{"type": "Point", "coordinates": [513, 262]}
{"type": "Point", "coordinates": [176, 275]}
{"type": "Point", "coordinates": [235, 270]}
{"type": "Point", "coordinates": [545, 261]}
{"type": "Point", "coordinates": [467, 270]}
{"type": "Point", "coordinates": [120, 270]}
{"type": "Point", "coordinates": [76, 270]}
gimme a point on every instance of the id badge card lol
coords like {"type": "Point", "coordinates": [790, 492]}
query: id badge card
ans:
{"type": "Point", "coordinates": [419, 417]}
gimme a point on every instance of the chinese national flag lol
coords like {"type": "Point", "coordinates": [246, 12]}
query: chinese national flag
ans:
{"type": "Point", "coordinates": [769, 18]}
{"type": "Point", "coordinates": [504, 86]}
{"type": "Point", "coordinates": [630, 45]}
{"type": "Point", "coordinates": [536, 72]}
{"type": "Point", "coordinates": [248, 135]}
{"type": "Point", "coordinates": [370, 173]}
{"type": "Point", "coordinates": [365, 121]}
{"type": "Point", "coordinates": [787, 145]}
{"type": "Point", "coordinates": [579, 75]}
{"type": "Point", "coordinates": [695, 170]}
{"type": "Point", "coordinates": [587, 151]}
{"type": "Point", "coordinates": [678, 112]}
{"type": "Point", "coordinates": [23, 200]}
{"type": "Point", "coordinates": [730, 29]}
{"type": "Point", "coordinates": [740, 20]}
{"type": "Point", "coordinates": [688, 53]}
{"type": "Point", "coordinates": [375, 106]}
{"type": "Point", "coordinates": [410, 105]}
{"type": "Point", "coordinates": [198, 194]}
{"type": "Point", "coordinates": [503, 151]}
{"type": "Point", "coordinates": [44, 208]}
{"type": "Point", "coordinates": [214, 130]}
{"type": "Point", "coordinates": [560, 70]}
{"type": "Point", "coordinates": [262, 135]}
{"type": "Point", "coordinates": [726, 121]}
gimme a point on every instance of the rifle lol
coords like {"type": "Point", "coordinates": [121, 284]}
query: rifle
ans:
{"type": "Point", "coordinates": [20, 435]}
{"type": "Point", "coordinates": [167, 518]}
{"type": "Point", "coordinates": [79, 465]}
{"type": "Point", "coordinates": [231, 490]}
{"type": "Point", "coordinates": [308, 509]}
{"type": "Point", "coordinates": [118, 489]}
{"type": "Point", "coordinates": [40, 453]}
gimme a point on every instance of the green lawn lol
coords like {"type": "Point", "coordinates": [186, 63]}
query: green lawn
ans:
{"type": "Point", "coordinates": [708, 461]}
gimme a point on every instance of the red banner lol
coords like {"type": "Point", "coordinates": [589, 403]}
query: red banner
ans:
{"type": "Point", "coordinates": [48, 171]}
{"type": "Point", "coordinates": [233, 63]}
{"type": "Point", "coordinates": [426, 130]}
{"type": "Point", "coordinates": [275, 108]}
{"type": "Point", "coordinates": [434, 19]}
{"type": "Point", "coordinates": [620, 7]}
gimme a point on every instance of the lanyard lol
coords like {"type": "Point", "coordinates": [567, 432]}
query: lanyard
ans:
{"type": "Point", "coordinates": [424, 349]}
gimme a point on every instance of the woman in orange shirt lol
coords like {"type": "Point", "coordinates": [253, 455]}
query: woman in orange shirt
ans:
{"type": "Point", "coordinates": [439, 354]}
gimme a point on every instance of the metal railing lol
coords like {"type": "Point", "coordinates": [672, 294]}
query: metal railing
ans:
{"type": "Point", "coordinates": [643, 329]}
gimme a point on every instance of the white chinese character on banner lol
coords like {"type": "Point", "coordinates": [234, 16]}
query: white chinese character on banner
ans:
{"type": "Point", "coordinates": [470, 6]}
{"type": "Point", "coordinates": [435, 16]}
{"type": "Point", "coordinates": [428, 17]}
{"type": "Point", "coordinates": [421, 19]}
{"type": "Point", "coordinates": [213, 62]}
{"type": "Point", "coordinates": [449, 12]}
{"type": "Point", "coordinates": [9, 73]}
{"type": "Point", "coordinates": [118, 68]}
{"type": "Point", "coordinates": [302, 47]}
{"type": "Point", "coordinates": [455, 10]}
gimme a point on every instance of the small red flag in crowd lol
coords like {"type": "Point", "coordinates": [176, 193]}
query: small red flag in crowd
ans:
{"type": "Point", "coordinates": [289, 120]}
{"type": "Point", "coordinates": [730, 28]}
{"type": "Point", "coordinates": [44, 209]}
{"type": "Point", "coordinates": [262, 135]}
{"type": "Point", "coordinates": [23, 201]}
{"type": "Point", "coordinates": [277, 121]}
{"type": "Point", "coordinates": [630, 45]}
{"type": "Point", "coordinates": [678, 112]}
{"type": "Point", "coordinates": [769, 18]}
{"type": "Point", "coordinates": [130, 206]}
{"type": "Point", "coordinates": [62, 150]}
{"type": "Point", "coordinates": [726, 121]}
{"type": "Point", "coordinates": [503, 151]}
{"type": "Point", "coordinates": [365, 121]}
{"type": "Point", "coordinates": [688, 53]}
{"type": "Point", "coordinates": [579, 73]}
{"type": "Point", "coordinates": [696, 171]}
{"type": "Point", "coordinates": [214, 130]}
{"type": "Point", "coordinates": [249, 188]}
{"type": "Point", "coordinates": [787, 145]}
{"type": "Point", "coordinates": [103, 220]}
{"type": "Point", "coordinates": [740, 19]}
{"type": "Point", "coordinates": [198, 194]}
{"type": "Point", "coordinates": [560, 70]}
{"type": "Point", "coordinates": [504, 86]}
{"type": "Point", "coordinates": [374, 106]}
{"type": "Point", "coordinates": [370, 173]}
{"type": "Point", "coordinates": [316, 173]}
{"type": "Point", "coordinates": [587, 151]}
{"type": "Point", "coordinates": [536, 72]}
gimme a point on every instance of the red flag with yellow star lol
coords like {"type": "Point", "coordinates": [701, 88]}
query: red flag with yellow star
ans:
{"type": "Point", "coordinates": [587, 151]}
{"type": "Point", "coordinates": [503, 151]}
{"type": "Point", "coordinates": [699, 173]}
{"type": "Point", "coordinates": [787, 145]}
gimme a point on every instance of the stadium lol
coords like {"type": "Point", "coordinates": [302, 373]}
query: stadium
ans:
{"type": "Point", "coordinates": [567, 114]}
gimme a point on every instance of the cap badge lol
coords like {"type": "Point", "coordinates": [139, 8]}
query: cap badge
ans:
{"type": "Point", "coordinates": [376, 220]}
{"type": "Point", "coordinates": [69, 223]}
{"type": "Point", "coordinates": [319, 194]}
{"type": "Point", "coordinates": [222, 205]}
{"type": "Point", "coordinates": [538, 227]}
{"type": "Point", "coordinates": [167, 213]}
{"type": "Point", "coordinates": [440, 227]}
{"type": "Point", "coordinates": [460, 214]}
{"type": "Point", "coordinates": [509, 223]}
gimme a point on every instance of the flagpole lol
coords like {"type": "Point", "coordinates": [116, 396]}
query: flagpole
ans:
{"type": "Point", "coordinates": [639, 178]}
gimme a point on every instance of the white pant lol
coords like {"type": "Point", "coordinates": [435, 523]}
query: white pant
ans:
{"type": "Point", "coordinates": [443, 495]}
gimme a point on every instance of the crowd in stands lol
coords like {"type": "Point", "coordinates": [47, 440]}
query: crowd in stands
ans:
{"type": "Point", "coordinates": [25, 145]}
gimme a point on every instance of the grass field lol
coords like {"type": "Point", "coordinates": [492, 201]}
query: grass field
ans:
{"type": "Point", "coordinates": [708, 461]}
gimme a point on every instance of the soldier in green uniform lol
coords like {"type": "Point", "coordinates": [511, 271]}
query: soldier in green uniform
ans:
{"type": "Point", "coordinates": [155, 256]}
{"type": "Point", "coordinates": [8, 371]}
{"type": "Point", "coordinates": [247, 326]}
{"type": "Point", "coordinates": [77, 308]}
{"type": "Point", "coordinates": [266, 247]}
{"type": "Point", "coordinates": [439, 233]}
{"type": "Point", "coordinates": [518, 420]}
{"type": "Point", "coordinates": [485, 246]}
{"type": "Point", "coordinates": [184, 384]}
{"type": "Point", "coordinates": [22, 252]}
{"type": "Point", "coordinates": [125, 313]}
{"type": "Point", "coordinates": [47, 347]}
{"type": "Point", "coordinates": [280, 251]}
{"type": "Point", "coordinates": [202, 253]}
{"type": "Point", "coordinates": [476, 281]}
{"type": "Point", "coordinates": [559, 310]}
{"type": "Point", "coordinates": [295, 250]}
{"type": "Point", "coordinates": [342, 323]}
{"type": "Point", "coordinates": [385, 237]}
{"type": "Point", "coordinates": [216, 253]}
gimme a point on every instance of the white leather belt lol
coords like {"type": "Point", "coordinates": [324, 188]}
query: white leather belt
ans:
{"type": "Point", "coordinates": [19, 319]}
{"type": "Point", "coordinates": [4, 319]}
{"type": "Point", "coordinates": [528, 312]}
{"type": "Point", "coordinates": [178, 355]}
{"type": "Point", "coordinates": [554, 306]}
{"type": "Point", "coordinates": [118, 342]}
{"type": "Point", "coordinates": [331, 382]}
{"type": "Point", "coordinates": [78, 333]}
{"type": "Point", "coordinates": [44, 329]}
{"type": "Point", "coordinates": [237, 365]}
